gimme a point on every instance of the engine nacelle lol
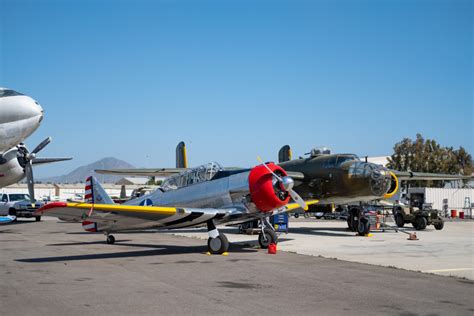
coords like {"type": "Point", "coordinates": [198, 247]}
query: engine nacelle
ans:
{"type": "Point", "coordinates": [393, 186]}
{"type": "Point", "coordinates": [265, 190]}
{"type": "Point", "coordinates": [10, 169]}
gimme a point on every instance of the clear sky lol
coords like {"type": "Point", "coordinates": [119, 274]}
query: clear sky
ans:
{"type": "Point", "coordinates": [233, 79]}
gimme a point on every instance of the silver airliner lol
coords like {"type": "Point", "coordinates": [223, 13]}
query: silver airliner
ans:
{"type": "Point", "coordinates": [20, 116]}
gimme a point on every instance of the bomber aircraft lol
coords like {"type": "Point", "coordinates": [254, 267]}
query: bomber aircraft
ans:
{"type": "Point", "coordinates": [329, 178]}
{"type": "Point", "coordinates": [202, 196]}
{"type": "Point", "coordinates": [20, 116]}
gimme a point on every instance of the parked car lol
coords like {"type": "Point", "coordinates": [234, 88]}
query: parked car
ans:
{"type": "Point", "coordinates": [419, 218]}
{"type": "Point", "coordinates": [19, 205]}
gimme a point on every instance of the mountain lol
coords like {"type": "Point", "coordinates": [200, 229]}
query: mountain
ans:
{"type": "Point", "coordinates": [80, 174]}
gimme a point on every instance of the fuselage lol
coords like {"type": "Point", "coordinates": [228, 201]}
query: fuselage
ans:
{"type": "Point", "coordinates": [340, 178]}
{"type": "Point", "coordinates": [20, 116]}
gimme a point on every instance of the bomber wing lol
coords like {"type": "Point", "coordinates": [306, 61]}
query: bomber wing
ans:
{"type": "Point", "coordinates": [409, 175]}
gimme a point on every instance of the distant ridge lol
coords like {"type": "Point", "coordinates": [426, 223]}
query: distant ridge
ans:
{"type": "Point", "coordinates": [81, 173]}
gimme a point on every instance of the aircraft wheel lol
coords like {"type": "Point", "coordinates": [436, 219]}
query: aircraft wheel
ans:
{"type": "Point", "coordinates": [297, 215]}
{"type": "Point", "coordinates": [270, 237]}
{"type": "Point", "coordinates": [420, 223]}
{"type": "Point", "coordinates": [218, 245]}
{"type": "Point", "coordinates": [110, 239]}
{"type": "Point", "coordinates": [352, 219]}
{"type": "Point", "coordinates": [38, 218]}
{"type": "Point", "coordinates": [439, 225]}
{"type": "Point", "coordinates": [399, 220]}
{"type": "Point", "coordinates": [363, 228]}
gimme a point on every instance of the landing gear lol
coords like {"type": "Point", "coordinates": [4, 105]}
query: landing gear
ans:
{"type": "Point", "coordinates": [217, 243]}
{"type": "Point", "coordinates": [110, 239]}
{"type": "Point", "coordinates": [267, 236]}
{"type": "Point", "coordinates": [357, 222]}
{"type": "Point", "coordinates": [363, 228]}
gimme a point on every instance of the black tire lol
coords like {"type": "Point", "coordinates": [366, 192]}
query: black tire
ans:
{"type": "Point", "coordinates": [439, 225]}
{"type": "Point", "coordinates": [38, 218]}
{"type": "Point", "coordinates": [363, 227]}
{"type": "Point", "coordinates": [110, 239]}
{"type": "Point", "coordinates": [318, 217]}
{"type": "Point", "coordinates": [270, 237]}
{"type": "Point", "coordinates": [420, 223]}
{"type": "Point", "coordinates": [352, 222]}
{"type": "Point", "coordinates": [12, 212]}
{"type": "Point", "coordinates": [297, 215]}
{"type": "Point", "coordinates": [399, 220]}
{"type": "Point", "coordinates": [218, 245]}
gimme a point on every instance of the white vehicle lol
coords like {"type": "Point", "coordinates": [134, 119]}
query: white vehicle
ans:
{"type": "Point", "coordinates": [19, 205]}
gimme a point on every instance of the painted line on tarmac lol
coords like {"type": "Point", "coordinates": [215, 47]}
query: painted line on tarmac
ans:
{"type": "Point", "coordinates": [448, 270]}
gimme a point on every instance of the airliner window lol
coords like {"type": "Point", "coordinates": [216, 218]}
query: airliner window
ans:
{"type": "Point", "coordinates": [8, 93]}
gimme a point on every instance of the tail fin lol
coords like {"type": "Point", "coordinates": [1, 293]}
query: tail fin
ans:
{"type": "Point", "coordinates": [181, 158]}
{"type": "Point", "coordinates": [284, 154]}
{"type": "Point", "coordinates": [95, 193]}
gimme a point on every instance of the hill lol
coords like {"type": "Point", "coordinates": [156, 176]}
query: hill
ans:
{"type": "Point", "coordinates": [81, 173]}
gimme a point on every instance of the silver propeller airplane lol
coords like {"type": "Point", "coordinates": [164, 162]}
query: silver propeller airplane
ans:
{"type": "Point", "coordinates": [206, 195]}
{"type": "Point", "coordinates": [20, 116]}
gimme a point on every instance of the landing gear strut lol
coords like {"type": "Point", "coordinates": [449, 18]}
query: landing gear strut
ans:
{"type": "Point", "coordinates": [267, 236]}
{"type": "Point", "coordinates": [217, 242]}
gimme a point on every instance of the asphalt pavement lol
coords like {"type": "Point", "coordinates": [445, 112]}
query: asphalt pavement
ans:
{"type": "Point", "coordinates": [54, 268]}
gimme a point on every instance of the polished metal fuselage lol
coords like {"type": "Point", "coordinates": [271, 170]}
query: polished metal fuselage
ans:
{"type": "Point", "coordinates": [228, 192]}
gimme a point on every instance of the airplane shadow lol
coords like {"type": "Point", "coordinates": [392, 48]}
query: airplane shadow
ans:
{"type": "Point", "coordinates": [326, 231]}
{"type": "Point", "coordinates": [160, 250]}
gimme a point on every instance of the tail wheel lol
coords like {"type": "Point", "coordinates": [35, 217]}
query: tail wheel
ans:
{"type": "Point", "coordinates": [363, 228]}
{"type": "Point", "coordinates": [110, 239]}
{"type": "Point", "coordinates": [420, 223]}
{"type": "Point", "coordinates": [266, 238]}
{"type": "Point", "coordinates": [218, 245]}
{"type": "Point", "coordinates": [399, 220]}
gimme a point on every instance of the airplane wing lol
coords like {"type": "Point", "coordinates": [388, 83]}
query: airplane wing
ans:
{"type": "Point", "coordinates": [409, 175]}
{"type": "Point", "coordinates": [117, 217]}
{"type": "Point", "coordinates": [147, 172]}
{"type": "Point", "coordinates": [38, 161]}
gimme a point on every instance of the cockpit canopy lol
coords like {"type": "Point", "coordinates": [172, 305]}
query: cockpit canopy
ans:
{"type": "Point", "coordinates": [337, 160]}
{"type": "Point", "coordinates": [192, 176]}
{"type": "Point", "coordinates": [4, 92]}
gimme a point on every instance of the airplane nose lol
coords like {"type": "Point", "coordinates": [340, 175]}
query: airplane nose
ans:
{"type": "Point", "coordinates": [379, 179]}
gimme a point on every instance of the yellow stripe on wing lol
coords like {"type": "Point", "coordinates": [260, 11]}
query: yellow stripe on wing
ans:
{"type": "Point", "coordinates": [164, 210]}
{"type": "Point", "coordinates": [294, 206]}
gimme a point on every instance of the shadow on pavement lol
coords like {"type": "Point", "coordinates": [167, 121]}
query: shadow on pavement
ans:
{"type": "Point", "coordinates": [159, 251]}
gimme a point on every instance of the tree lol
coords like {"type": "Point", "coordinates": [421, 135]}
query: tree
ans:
{"type": "Point", "coordinates": [423, 155]}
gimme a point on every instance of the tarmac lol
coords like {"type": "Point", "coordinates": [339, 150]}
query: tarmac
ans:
{"type": "Point", "coordinates": [448, 252]}
{"type": "Point", "coordinates": [55, 268]}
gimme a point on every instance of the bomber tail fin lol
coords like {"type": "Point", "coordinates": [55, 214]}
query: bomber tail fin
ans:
{"type": "Point", "coordinates": [181, 157]}
{"type": "Point", "coordinates": [284, 154]}
{"type": "Point", "coordinates": [95, 193]}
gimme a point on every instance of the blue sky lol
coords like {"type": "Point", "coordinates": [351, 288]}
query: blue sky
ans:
{"type": "Point", "coordinates": [234, 79]}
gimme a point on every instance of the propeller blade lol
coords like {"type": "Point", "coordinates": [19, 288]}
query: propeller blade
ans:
{"type": "Point", "coordinates": [30, 181]}
{"type": "Point", "coordinates": [298, 199]}
{"type": "Point", "coordinates": [41, 145]}
{"type": "Point", "coordinates": [268, 168]}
